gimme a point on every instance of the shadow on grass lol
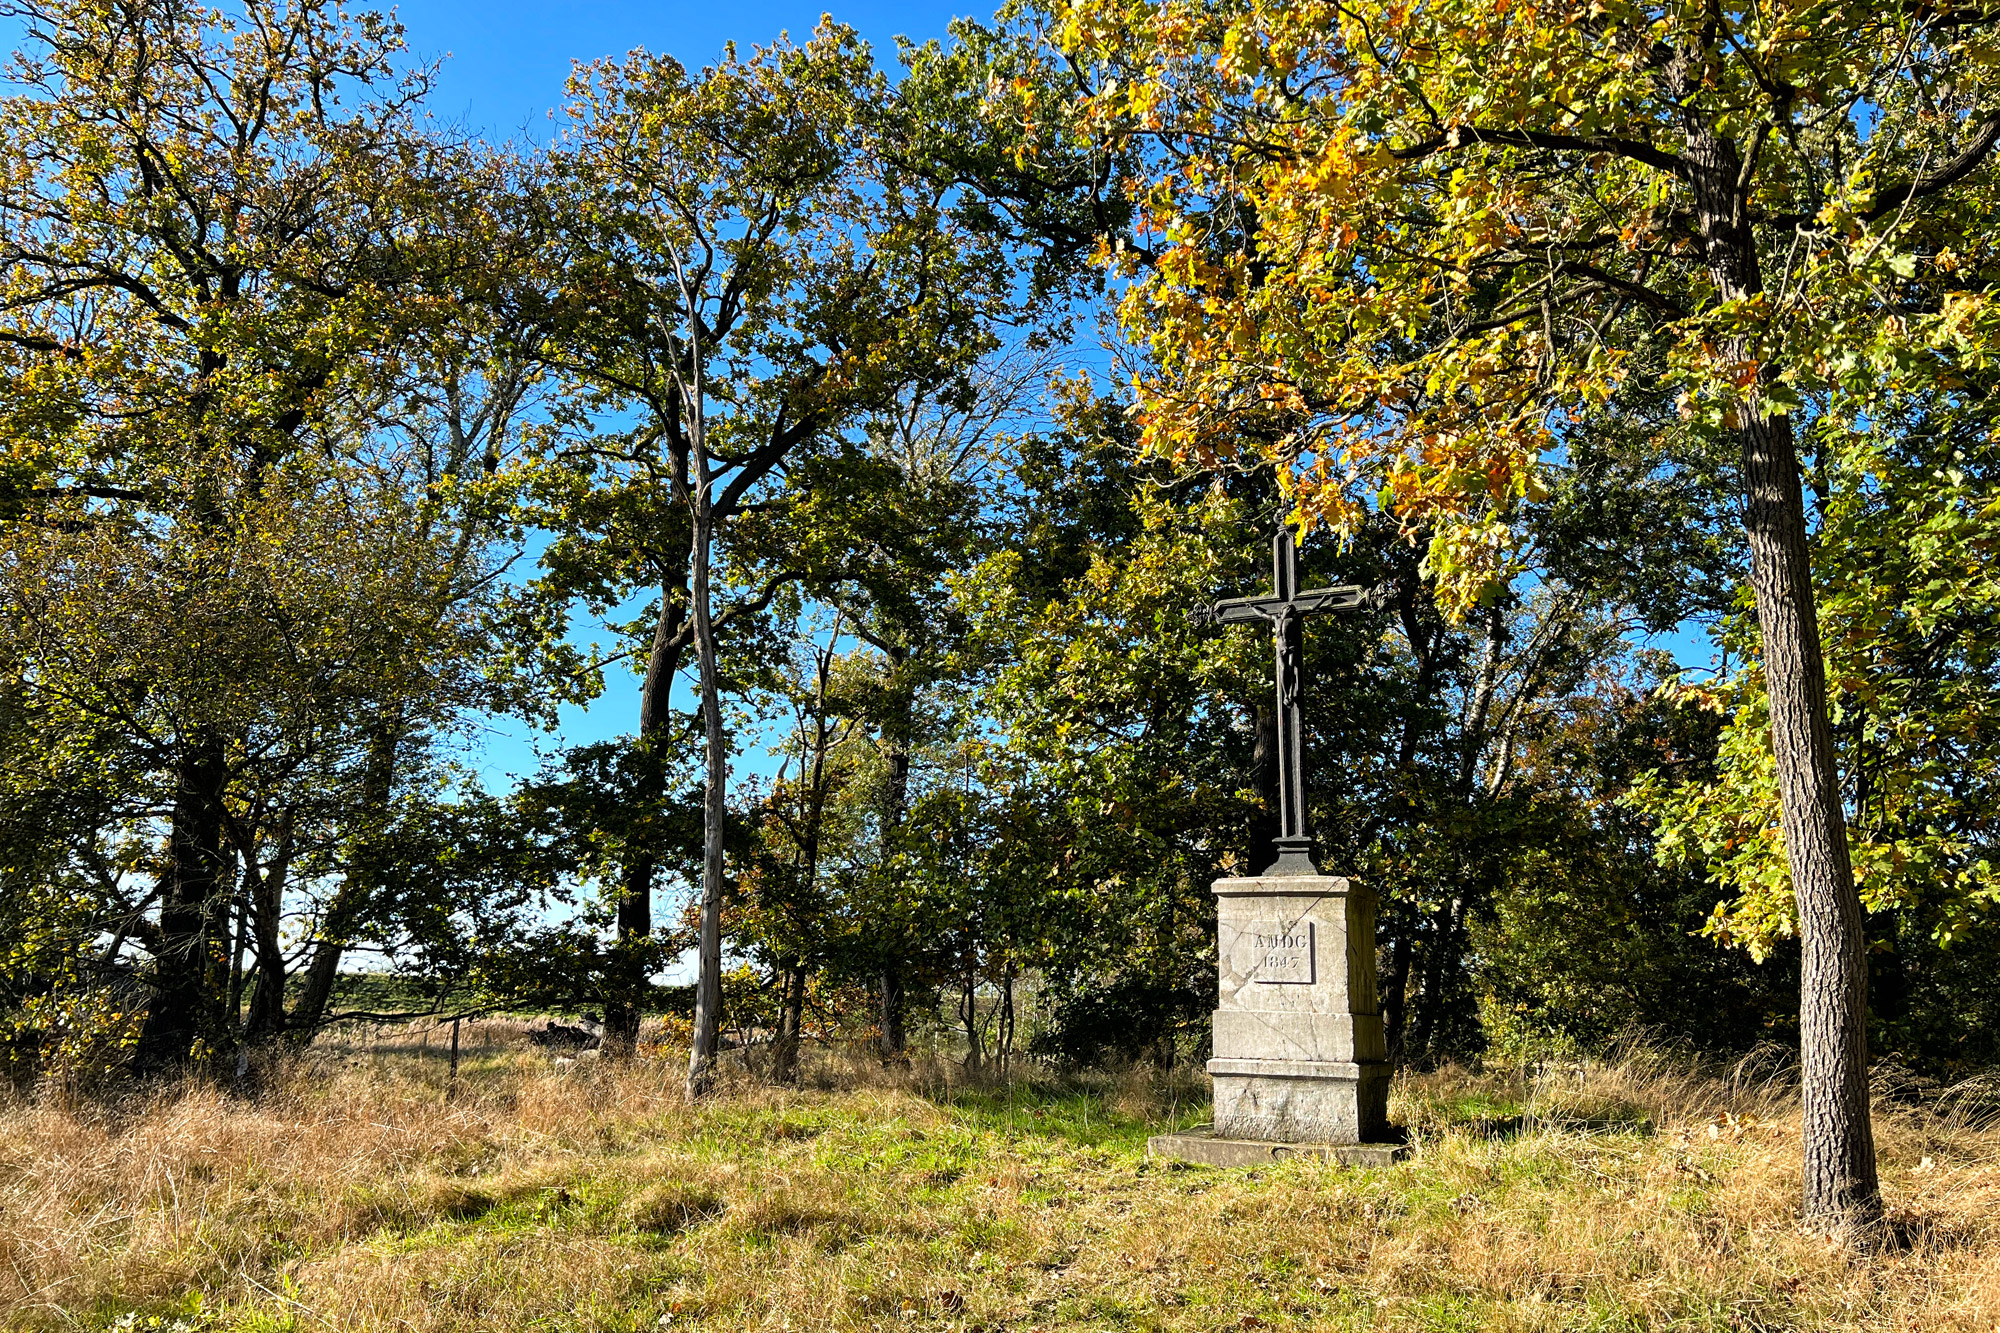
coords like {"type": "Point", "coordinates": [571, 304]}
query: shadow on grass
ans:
{"type": "Point", "coordinates": [1521, 1126]}
{"type": "Point", "coordinates": [1116, 1112]}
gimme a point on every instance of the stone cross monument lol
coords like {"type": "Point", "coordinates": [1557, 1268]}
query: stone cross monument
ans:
{"type": "Point", "coordinates": [1299, 1062]}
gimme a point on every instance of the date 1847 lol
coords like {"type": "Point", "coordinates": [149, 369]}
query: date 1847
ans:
{"type": "Point", "coordinates": [1273, 953]}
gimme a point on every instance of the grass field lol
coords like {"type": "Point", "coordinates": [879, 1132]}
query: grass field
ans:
{"type": "Point", "coordinates": [357, 1190]}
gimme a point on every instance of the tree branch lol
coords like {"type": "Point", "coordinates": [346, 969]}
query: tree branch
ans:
{"type": "Point", "coordinates": [1468, 136]}
{"type": "Point", "coordinates": [1896, 196]}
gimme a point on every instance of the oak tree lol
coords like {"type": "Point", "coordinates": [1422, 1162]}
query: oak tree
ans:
{"type": "Point", "coordinates": [750, 273]}
{"type": "Point", "coordinates": [1408, 251]}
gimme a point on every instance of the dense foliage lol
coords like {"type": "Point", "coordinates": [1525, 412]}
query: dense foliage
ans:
{"type": "Point", "coordinates": [326, 439]}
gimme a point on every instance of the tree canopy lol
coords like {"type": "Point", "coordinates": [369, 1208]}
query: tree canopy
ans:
{"type": "Point", "coordinates": [869, 426]}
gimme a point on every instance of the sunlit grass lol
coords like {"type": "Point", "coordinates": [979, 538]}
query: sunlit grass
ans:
{"type": "Point", "coordinates": [369, 1193]}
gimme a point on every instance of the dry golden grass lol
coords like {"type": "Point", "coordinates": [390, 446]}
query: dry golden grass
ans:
{"type": "Point", "coordinates": [354, 1192]}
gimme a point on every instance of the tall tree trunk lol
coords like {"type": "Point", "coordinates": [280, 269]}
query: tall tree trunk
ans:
{"type": "Point", "coordinates": [267, 896]}
{"type": "Point", "coordinates": [889, 997]}
{"type": "Point", "coordinates": [624, 1009]}
{"type": "Point", "coordinates": [1888, 981]}
{"type": "Point", "coordinates": [708, 981]}
{"type": "Point", "coordinates": [1473, 741]}
{"type": "Point", "coordinates": [188, 1019]}
{"type": "Point", "coordinates": [1395, 995]}
{"type": "Point", "coordinates": [240, 899]}
{"type": "Point", "coordinates": [813, 775]}
{"type": "Point", "coordinates": [1840, 1180]}
{"type": "Point", "coordinates": [1441, 959]}
{"type": "Point", "coordinates": [1004, 1037]}
{"type": "Point", "coordinates": [1840, 1184]}
{"type": "Point", "coordinates": [1264, 772]}
{"type": "Point", "coordinates": [896, 734]}
{"type": "Point", "coordinates": [791, 1023]}
{"type": "Point", "coordinates": [1403, 804]}
{"type": "Point", "coordinates": [348, 909]}
{"type": "Point", "coordinates": [1443, 952]}
{"type": "Point", "coordinates": [968, 1016]}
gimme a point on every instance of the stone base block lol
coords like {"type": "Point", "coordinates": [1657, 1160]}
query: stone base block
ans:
{"type": "Point", "coordinates": [1301, 1101]}
{"type": "Point", "coordinates": [1201, 1145]}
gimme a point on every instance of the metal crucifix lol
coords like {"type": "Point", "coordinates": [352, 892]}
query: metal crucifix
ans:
{"type": "Point", "coordinates": [1283, 610]}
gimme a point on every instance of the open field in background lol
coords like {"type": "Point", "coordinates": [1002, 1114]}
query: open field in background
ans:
{"type": "Point", "coordinates": [356, 1190]}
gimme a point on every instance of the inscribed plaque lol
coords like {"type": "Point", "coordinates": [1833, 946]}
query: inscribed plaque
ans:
{"type": "Point", "coordinates": [1277, 953]}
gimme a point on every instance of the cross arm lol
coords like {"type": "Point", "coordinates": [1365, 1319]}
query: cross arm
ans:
{"type": "Point", "coordinates": [1346, 597]}
{"type": "Point", "coordinates": [1240, 611]}
{"type": "Point", "coordinates": [1268, 610]}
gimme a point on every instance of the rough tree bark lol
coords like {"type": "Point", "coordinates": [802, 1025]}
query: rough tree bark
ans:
{"type": "Point", "coordinates": [1442, 953]}
{"type": "Point", "coordinates": [188, 1019]}
{"type": "Point", "coordinates": [1840, 1185]}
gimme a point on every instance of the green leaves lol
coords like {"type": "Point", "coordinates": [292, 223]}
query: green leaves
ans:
{"type": "Point", "coordinates": [1910, 617]}
{"type": "Point", "coordinates": [1516, 191]}
{"type": "Point", "coordinates": [256, 422]}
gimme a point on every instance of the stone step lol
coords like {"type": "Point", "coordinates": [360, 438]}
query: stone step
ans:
{"type": "Point", "coordinates": [1200, 1145]}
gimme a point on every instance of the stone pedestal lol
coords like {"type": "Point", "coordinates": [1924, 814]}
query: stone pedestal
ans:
{"type": "Point", "coordinates": [1298, 1053]}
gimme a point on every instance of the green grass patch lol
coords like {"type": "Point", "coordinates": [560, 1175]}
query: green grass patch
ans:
{"type": "Point", "coordinates": [595, 1201]}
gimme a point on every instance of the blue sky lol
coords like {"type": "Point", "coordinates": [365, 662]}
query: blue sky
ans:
{"type": "Point", "coordinates": [503, 64]}
{"type": "Point", "coordinates": [505, 60]}
{"type": "Point", "coordinates": [502, 71]}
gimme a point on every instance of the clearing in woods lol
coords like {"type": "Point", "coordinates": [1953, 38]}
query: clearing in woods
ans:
{"type": "Point", "coordinates": [357, 1190]}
